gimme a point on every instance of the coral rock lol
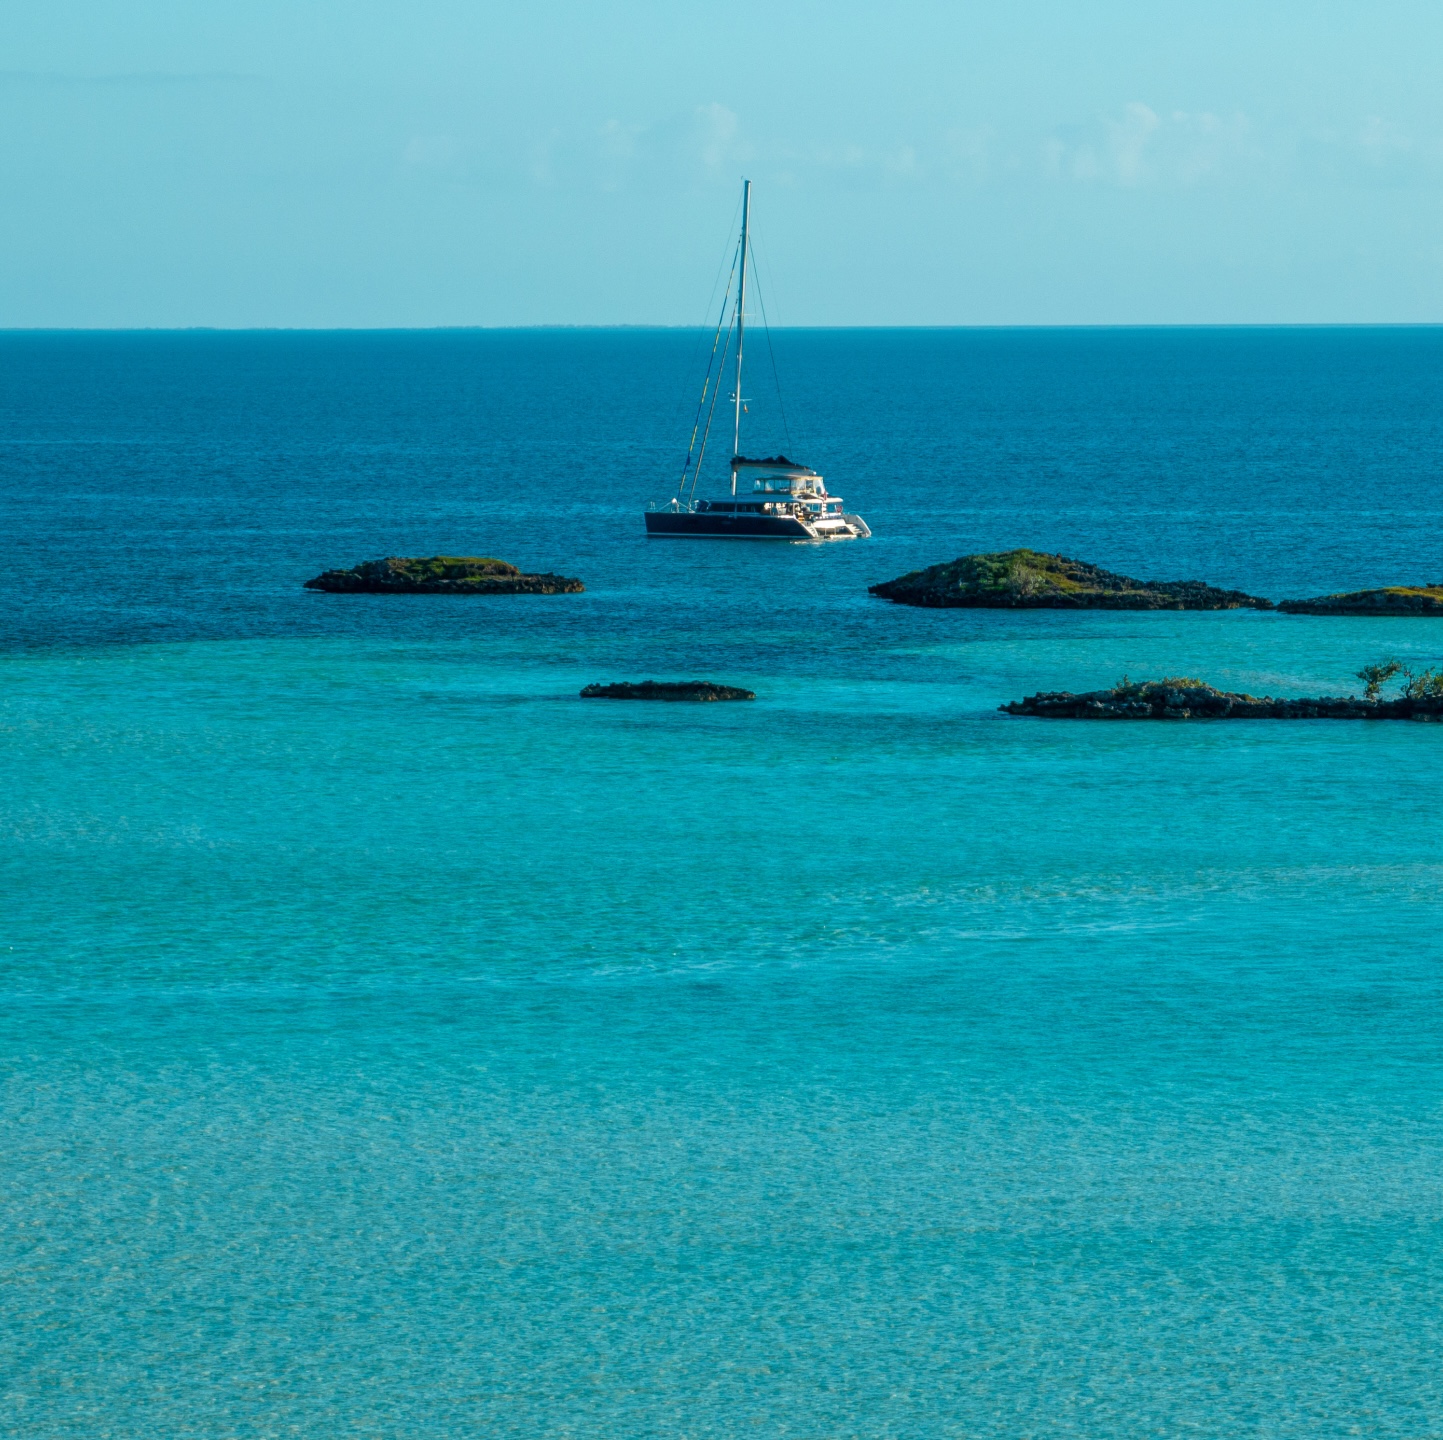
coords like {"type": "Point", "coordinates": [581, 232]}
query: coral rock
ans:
{"type": "Point", "coordinates": [441, 575]}
{"type": "Point", "coordinates": [666, 690]}
{"type": "Point", "coordinates": [1186, 699]}
{"type": "Point", "coordinates": [1031, 580]}
{"type": "Point", "coordinates": [1391, 600]}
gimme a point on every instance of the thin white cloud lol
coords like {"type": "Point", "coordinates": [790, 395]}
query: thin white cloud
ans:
{"type": "Point", "coordinates": [970, 154]}
{"type": "Point", "coordinates": [1128, 139]}
{"type": "Point", "coordinates": [434, 152]}
{"type": "Point", "coordinates": [717, 128]}
{"type": "Point", "coordinates": [1136, 146]}
{"type": "Point", "coordinates": [676, 150]}
{"type": "Point", "coordinates": [1382, 142]}
{"type": "Point", "coordinates": [133, 79]}
{"type": "Point", "coordinates": [1374, 153]}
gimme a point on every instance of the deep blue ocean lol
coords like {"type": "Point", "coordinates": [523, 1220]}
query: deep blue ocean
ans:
{"type": "Point", "coordinates": [394, 1044]}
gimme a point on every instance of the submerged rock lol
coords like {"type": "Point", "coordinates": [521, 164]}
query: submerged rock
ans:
{"type": "Point", "coordinates": [441, 575]}
{"type": "Point", "coordinates": [1031, 580]}
{"type": "Point", "coordinates": [1186, 699]}
{"type": "Point", "coordinates": [666, 690]}
{"type": "Point", "coordinates": [1390, 600]}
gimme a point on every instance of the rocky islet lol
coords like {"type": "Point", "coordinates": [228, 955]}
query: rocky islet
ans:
{"type": "Point", "coordinates": [1387, 600]}
{"type": "Point", "coordinates": [441, 575]}
{"type": "Point", "coordinates": [1034, 580]}
{"type": "Point", "coordinates": [666, 690]}
{"type": "Point", "coordinates": [1009, 579]}
{"type": "Point", "coordinates": [1189, 699]}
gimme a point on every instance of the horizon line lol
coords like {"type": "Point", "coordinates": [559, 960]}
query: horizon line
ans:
{"type": "Point", "coordinates": [629, 325]}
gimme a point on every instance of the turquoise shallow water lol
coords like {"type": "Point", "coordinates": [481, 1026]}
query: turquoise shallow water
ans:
{"type": "Point", "coordinates": [395, 1044]}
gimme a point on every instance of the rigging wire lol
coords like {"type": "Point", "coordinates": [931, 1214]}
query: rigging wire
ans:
{"type": "Point", "coordinates": [767, 331]}
{"type": "Point", "coordinates": [721, 264]}
{"type": "Point", "coordinates": [701, 403]}
{"type": "Point", "coordinates": [695, 353]}
{"type": "Point", "coordinates": [716, 391]}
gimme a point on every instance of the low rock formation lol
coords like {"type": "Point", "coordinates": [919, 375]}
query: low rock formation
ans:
{"type": "Point", "coordinates": [666, 690]}
{"type": "Point", "coordinates": [1391, 600]}
{"type": "Point", "coordinates": [1030, 580]}
{"type": "Point", "coordinates": [441, 575]}
{"type": "Point", "coordinates": [1185, 699]}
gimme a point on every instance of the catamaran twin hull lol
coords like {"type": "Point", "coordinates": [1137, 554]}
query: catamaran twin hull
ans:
{"type": "Point", "coordinates": [712, 524]}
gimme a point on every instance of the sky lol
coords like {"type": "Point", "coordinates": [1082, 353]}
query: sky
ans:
{"type": "Point", "coordinates": [374, 163]}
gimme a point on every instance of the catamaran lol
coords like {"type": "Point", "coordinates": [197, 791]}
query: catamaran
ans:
{"type": "Point", "coordinates": [786, 501]}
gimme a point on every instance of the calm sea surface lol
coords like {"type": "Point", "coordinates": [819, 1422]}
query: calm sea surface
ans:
{"type": "Point", "coordinates": [393, 1044]}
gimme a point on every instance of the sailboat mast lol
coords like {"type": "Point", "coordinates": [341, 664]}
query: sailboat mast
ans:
{"type": "Point", "coordinates": [741, 328]}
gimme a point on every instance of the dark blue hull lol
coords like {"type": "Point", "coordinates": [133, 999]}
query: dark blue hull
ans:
{"type": "Point", "coordinates": [714, 525]}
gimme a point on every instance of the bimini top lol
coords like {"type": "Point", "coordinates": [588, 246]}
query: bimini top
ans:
{"type": "Point", "coordinates": [777, 462]}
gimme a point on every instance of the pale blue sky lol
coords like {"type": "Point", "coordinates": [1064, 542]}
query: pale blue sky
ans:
{"type": "Point", "coordinates": [376, 163]}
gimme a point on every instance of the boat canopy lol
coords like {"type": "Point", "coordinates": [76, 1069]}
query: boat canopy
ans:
{"type": "Point", "coordinates": [776, 462]}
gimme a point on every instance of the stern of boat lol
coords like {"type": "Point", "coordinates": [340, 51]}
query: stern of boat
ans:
{"type": "Point", "coordinates": [837, 527]}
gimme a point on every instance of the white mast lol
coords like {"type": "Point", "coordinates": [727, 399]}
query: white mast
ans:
{"type": "Point", "coordinates": [741, 326]}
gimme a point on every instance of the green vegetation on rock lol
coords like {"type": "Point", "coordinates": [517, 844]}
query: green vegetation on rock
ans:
{"type": "Point", "coordinates": [1426, 683]}
{"type": "Point", "coordinates": [1417, 685]}
{"type": "Point", "coordinates": [451, 567]}
{"type": "Point", "coordinates": [1031, 579]}
{"type": "Point", "coordinates": [1127, 689]}
{"type": "Point", "coordinates": [441, 575]}
{"type": "Point", "coordinates": [1184, 698]}
{"type": "Point", "coordinates": [1374, 677]}
{"type": "Point", "coordinates": [1388, 600]}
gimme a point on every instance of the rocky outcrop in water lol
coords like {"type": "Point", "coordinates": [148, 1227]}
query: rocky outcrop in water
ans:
{"type": "Point", "coordinates": [666, 690]}
{"type": "Point", "coordinates": [1390, 600]}
{"type": "Point", "coordinates": [1031, 580]}
{"type": "Point", "coordinates": [1186, 699]}
{"type": "Point", "coordinates": [441, 575]}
